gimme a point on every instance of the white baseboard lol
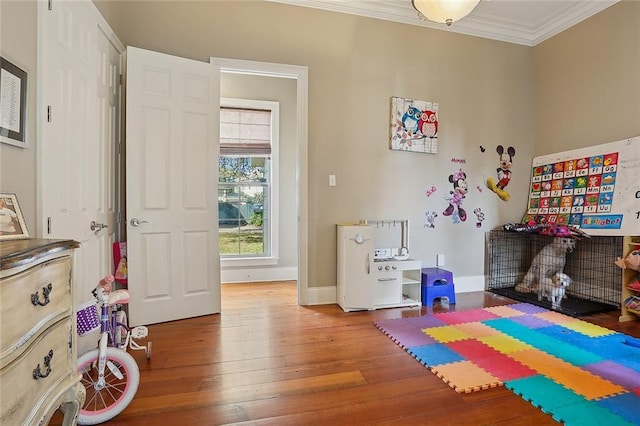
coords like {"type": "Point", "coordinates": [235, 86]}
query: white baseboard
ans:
{"type": "Point", "coordinates": [327, 295]}
{"type": "Point", "coordinates": [469, 283]}
{"type": "Point", "coordinates": [243, 275]}
{"type": "Point", "coordinates": [322, 295]}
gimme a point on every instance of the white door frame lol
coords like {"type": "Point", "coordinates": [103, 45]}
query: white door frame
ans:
{"type": "Point", "coordinates": [300, 74]}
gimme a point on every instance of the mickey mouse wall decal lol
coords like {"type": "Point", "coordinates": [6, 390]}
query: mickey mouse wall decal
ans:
{"type": "Point", "coordinates": [503, 172]}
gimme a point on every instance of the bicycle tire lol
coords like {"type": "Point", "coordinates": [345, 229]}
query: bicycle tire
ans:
{"type": "Point", "coordinates": [103, 405]}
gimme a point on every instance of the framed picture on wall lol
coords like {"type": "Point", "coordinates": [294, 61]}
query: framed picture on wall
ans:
{"type": "Point", "coordinates": [12, 226]}
{"type": "Point", "coordinates": [13, 104]}
{"type": "Point", "coordinates": [414, 125]}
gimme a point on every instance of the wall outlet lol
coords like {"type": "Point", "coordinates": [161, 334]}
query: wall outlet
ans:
{"type": "Point", "coordinates": [439, 259]}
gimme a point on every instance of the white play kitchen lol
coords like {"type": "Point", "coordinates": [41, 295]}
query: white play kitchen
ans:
{"type": "Point", "coordinates": [374, 267]}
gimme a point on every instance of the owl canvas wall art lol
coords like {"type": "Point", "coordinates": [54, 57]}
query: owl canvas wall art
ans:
{"type": "Point", "coordinates": [414, 125]}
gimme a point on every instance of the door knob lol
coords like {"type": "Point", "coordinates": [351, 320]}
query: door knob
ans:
{"type": "Point", "coordinates": [137, 222]}
{"type": "Point", "coordinates": [97, 227]}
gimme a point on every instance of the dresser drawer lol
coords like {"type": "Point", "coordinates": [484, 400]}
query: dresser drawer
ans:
{"type": "Point", "coordinates": [22, 395]}
{"type": "Point", "coordinates": [32, 300]}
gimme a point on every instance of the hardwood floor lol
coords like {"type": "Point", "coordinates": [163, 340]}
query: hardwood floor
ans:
{"type": "Point", "coordinates": [266, 361]}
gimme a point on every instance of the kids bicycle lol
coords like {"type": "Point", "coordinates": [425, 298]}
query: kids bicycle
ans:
{"type": "Point", "coordinates": [110, 375]}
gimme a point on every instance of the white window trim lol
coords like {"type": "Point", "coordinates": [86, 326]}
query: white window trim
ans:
{"type": "Point", "coordinates": [274, 216]}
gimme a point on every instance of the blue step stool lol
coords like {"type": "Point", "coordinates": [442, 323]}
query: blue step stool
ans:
{"type": "Point", "coordinates": [437, 283]}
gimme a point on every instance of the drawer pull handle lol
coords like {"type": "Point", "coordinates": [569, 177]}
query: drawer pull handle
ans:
{"type": "Point", "coordinates": [35, 298]}
{"type": "Point", "coordinates": [37, 373]}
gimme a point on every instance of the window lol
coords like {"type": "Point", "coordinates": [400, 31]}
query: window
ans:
{"type": "Point", "coordinates": [247, 181]}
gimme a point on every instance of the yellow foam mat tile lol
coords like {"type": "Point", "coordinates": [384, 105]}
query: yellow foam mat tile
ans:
{"type": "Point", "coordinates": [505, 344]}
{"type": "Point", "coordinates": [465, 377]}
{"type": "Point", "coordinates": [582, 382]}
{"type": "Point", "coordinates": [477, 329]}
{"type": "Point", "coordinates": [588, 329]}
{"type": "Point", "coordinates": [447, 333]}
{"type": "Point", "coordinates": [504, 311]}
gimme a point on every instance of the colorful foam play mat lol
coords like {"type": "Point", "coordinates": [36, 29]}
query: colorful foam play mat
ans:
{"type": "Point", "coordinates": [577, 372]}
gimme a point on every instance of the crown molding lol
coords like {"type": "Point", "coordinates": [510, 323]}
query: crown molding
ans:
{"type": "Point", "coordinates": [578, 12]}
{"type": "Point", "coordinates": [476, 24]}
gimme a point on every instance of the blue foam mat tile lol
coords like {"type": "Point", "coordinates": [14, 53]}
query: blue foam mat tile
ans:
{"type": "Point", "coordinates": [581, 340]}
{"type": "Point", "coordinates": [556, 347]}
{"type": "Point", "coordinates": [588, 413]}
{"type": "Point", "coordinates": [625, 405]}
{"type": "Point", "coordinates": [436, 354]}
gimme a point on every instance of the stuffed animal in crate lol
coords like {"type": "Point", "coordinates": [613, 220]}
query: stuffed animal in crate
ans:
{"type": "Point", "coordinates": [554, 289]}
{"type": "Point", "coordinates": [549, 261]}
{"type": "Point", "coordinates": [631, 261]}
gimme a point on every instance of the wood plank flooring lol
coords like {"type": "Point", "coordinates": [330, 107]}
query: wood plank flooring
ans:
{"type": "Point", "coordinates": [266, 361]}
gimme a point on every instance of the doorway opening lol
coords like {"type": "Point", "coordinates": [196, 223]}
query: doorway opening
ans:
{"type": "Point", "coordinates": [261, 80]}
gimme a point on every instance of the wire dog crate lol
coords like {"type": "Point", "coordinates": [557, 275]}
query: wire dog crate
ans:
{"type": "Point", "coordinates": [597, 281]}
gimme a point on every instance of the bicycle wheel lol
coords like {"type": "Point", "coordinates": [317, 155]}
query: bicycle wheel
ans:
{"type": "Point", "coordinates": [104, 404]}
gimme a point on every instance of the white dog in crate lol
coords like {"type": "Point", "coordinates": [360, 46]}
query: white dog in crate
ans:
{"type": "Point", "coordinates": [554, 289]}
{"type": "Point", "coordinates": [549, 261]}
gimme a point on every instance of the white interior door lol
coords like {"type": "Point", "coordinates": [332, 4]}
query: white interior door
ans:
{"type": "Point", "coordinates": [79, 70]}
{"type": "Point", "coordinates": [171, 171]}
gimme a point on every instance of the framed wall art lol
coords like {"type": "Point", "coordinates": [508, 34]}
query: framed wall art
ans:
{"type": "Point", "coordinates": [13, 104]}
{"type": "Point", "coordinates": [414, 125]}
{"type": "Point", "coordinates": [12, 226]}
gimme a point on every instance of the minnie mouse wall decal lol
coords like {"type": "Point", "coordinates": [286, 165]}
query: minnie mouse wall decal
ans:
{"type": "Point", "coordinates": [455, 197]}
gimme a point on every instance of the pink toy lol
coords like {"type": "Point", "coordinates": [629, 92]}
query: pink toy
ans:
{"type": "Point", "coordinates": [106, 283]}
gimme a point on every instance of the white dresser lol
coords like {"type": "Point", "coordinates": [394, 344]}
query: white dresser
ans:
{"type": "Point", "coordinates": [38, 371]}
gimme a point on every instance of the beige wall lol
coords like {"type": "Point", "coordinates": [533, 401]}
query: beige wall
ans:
{"type": "Point", "coordinates": [18, 44]}
{"type": "Point", "coordinates": [587, 82]}
{"type": "Point", "coordinates": [484, 89]}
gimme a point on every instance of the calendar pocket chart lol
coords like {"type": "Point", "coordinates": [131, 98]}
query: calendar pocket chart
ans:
{"type": "Point", "coordinates": [596, 189]}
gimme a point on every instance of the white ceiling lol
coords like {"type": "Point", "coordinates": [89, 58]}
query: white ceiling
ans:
{"type": "Point", "coordinates": [523, 22]}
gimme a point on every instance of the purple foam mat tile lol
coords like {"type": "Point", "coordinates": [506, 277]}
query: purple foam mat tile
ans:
{"type": "Point", "coordinates": [411, 338]}
{"type": "Point", "coordinates": [394, 325]}
{"type": "Point", "coordinates": [461, 317]}
{"type": "Point", "coordinates": [409, 323]}
{"type": "Point", "coordinates": [528, 308]}
{"type": "Point", "coordinates": [425, 321]}
{"type": "Point", "coordinates": [531, 321]}
{"type": "Point", "coordinates": [615, 373]}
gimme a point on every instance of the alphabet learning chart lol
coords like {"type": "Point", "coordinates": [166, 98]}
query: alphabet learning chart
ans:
{"type": "Point", "coordinates": [596, 189]}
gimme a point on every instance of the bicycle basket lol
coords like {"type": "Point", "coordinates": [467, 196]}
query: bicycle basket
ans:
{"type": "Point", "coordinates": [87, 318]}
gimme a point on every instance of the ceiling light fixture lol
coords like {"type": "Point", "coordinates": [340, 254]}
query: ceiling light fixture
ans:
{"type": "Point", "coordinates": [444, 11]}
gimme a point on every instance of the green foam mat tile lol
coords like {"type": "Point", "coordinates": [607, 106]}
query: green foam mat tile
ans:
{"type": "Point", "coordinates": [588, 413]}
{"type": "Point", "coordinates": [543, 392]}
